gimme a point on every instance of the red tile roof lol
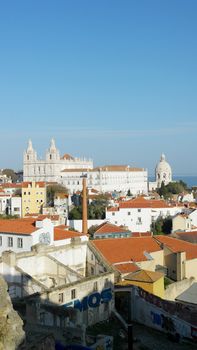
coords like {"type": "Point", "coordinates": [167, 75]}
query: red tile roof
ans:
{"type": "Point", "coordinates": [126, 267]}
{"type": "Point", "coordinates": [177, 245]}
{"type": "Point", "coordinates": [11, 185]}
{"type": "Point", "coordinates": [38, 183]}
{"type": "Point", "coordinates": [113, 209]}
{"type": "Point", "coordinates": [18, 226]}
{"type": "Point", "coordinates": [126, 249]}
{"type": "Point", "coordinates": [60, 234]}
{"type": "Point", "coordinates": [141, 234]}
{"type": "Point", "coordinates": [141, 202]}
{"type": "Point", "coordinates": [110, 228]}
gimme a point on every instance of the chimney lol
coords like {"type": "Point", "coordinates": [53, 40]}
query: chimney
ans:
{"type": "Point", "coordinates": [84, 208]}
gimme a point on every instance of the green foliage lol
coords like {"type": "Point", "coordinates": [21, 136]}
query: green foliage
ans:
{"type": "Point", "coordinates": [7, 217]}
{"type": "Point", "coordinates": [75, 213]}
{"type": "Point", "coordinates": [162, 226]}
{"type": "Point", "coordinates": [91, 230]}
{"type": "Point", "coordinates": [52, 190]}
{"type": "Point", "coordinates": [96, 210]}
{"type": "Point", "coordinates": [172, 188]}
{"type": "Point", "coordinates": [10, 173]}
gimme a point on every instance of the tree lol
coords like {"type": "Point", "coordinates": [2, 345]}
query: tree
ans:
{"type": "Point", "coordinates": [10, 173]}
{"type": "Point", "coordinates": [91, 230]}
{"type": "Point", "coordinates": [75, 213]}
{"type": "Point", "coordinates": [162, 226]}
{"type": "Point", "coordinates": [172, 188]}
{"type": "Point", "coordinates": [52, 190]}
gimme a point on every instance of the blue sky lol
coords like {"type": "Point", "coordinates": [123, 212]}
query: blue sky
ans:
{"type": "Point", "coordinates": [112, 80]}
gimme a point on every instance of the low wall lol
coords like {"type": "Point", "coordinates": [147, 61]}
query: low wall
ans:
{"type": "Point", "coordinates": [176, 288]}
{"type": "Point", "coordinates": [77, 224]}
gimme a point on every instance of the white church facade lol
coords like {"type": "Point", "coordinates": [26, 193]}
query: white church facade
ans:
{"type": "Point", "coordinates": [69, 171]}
{"type": "Point", "coordinates": [163, 174]}
{"type": "Point", "coordinates": [49, 169]}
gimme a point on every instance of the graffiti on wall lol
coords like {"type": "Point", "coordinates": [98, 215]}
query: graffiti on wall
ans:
{"type": "Point", "coordinates": [91, 301]}
{"type": "Point", "coordinates": [164, 322]}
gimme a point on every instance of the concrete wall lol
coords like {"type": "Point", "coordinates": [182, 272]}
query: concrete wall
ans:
{"type": "Point", "coordinates": [151, 311]}
{"type": "Point", "coordinates": [73, 256]}
{"type": "Point", "coordinates": [77, 224]}
{"type": "Point", "coordinates": [190, 268]}
{"type": "Point", "coordinates": [176, 288]}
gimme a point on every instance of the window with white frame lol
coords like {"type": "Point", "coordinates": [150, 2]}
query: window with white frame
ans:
{"type": "Point", "coordinates": [20, 243]}
{"type": "Point", "coordinates": [10, 241]}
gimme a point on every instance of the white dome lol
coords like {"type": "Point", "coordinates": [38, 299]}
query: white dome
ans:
{"type": "Point", "coordinates": [163, 166]}
{"type": "Point", "coordinates": [163, 171]}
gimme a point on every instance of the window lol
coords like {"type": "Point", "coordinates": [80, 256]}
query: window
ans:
{"type": "Point", "coordinates": [113, 214]}
{"type": "Point", "coordinates": [42, 317]}
{"type": "Point", "coordinates": [95, 286]}
{"type": "Point", "coordinates": [73, 293]}
{"type": "Point", "coordinates": [29, 193]}
{"type": "Point", "coordinates": [10, 241]}
{"type": "Point", "coordinates": [20, 243]}
{"type": "Point", "coordinates": [0, 240]}
{"type": "Point", "coordinates": [139, 210]}
{"type": "Point", "coordinates": [24, 192]}
{"type": "Point", "coordinates": [92, 270]}
{"type": "Point", "coordinates": [129, 213]}
{"type": "Point", "coordinates": [61, 297]}
{"type": "Point", "coordinates": [139, 221]}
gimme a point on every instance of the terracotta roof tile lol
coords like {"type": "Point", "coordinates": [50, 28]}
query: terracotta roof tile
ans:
{"type": "Point", "coordinates": [126, 267]}
{"type": "Point", "coordinates": [113, 209]}
{"type": "Point", "coordinates": [141, 234]}
{"type": "Point", "coordinates": [60, 234]}
{"type": "Point", "coordinates": [126, 249]}
{"type": "Point", "coordinates": [177, 245]}
{"type": "Point", "coordinates": [110, 228]}
{"type": "Point", "coordinates": [18, 226]}
{"type": "Point", "coordinates": [141, 202]}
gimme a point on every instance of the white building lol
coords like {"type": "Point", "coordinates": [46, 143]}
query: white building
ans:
{"type": "Point", "coordinates": [186, 221]}
{"type": "Point", "coordinates": [68, 171]}
{"type": "Point", "coordinates": [20, 235]}
{"type": "Point", "coordinates": [10, 204]}
{"type": "Point", "coordinates": [107, 179]}
{"type": "Point", "coordinates": [47, 170]}
{"type": "Point", "coordinates": [138, 214]}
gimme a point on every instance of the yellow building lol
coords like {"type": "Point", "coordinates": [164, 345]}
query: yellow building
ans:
{"type": "Point", "coordinates": [33, 197]}
{"type": "Point", "coordinates": [150, 281]}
